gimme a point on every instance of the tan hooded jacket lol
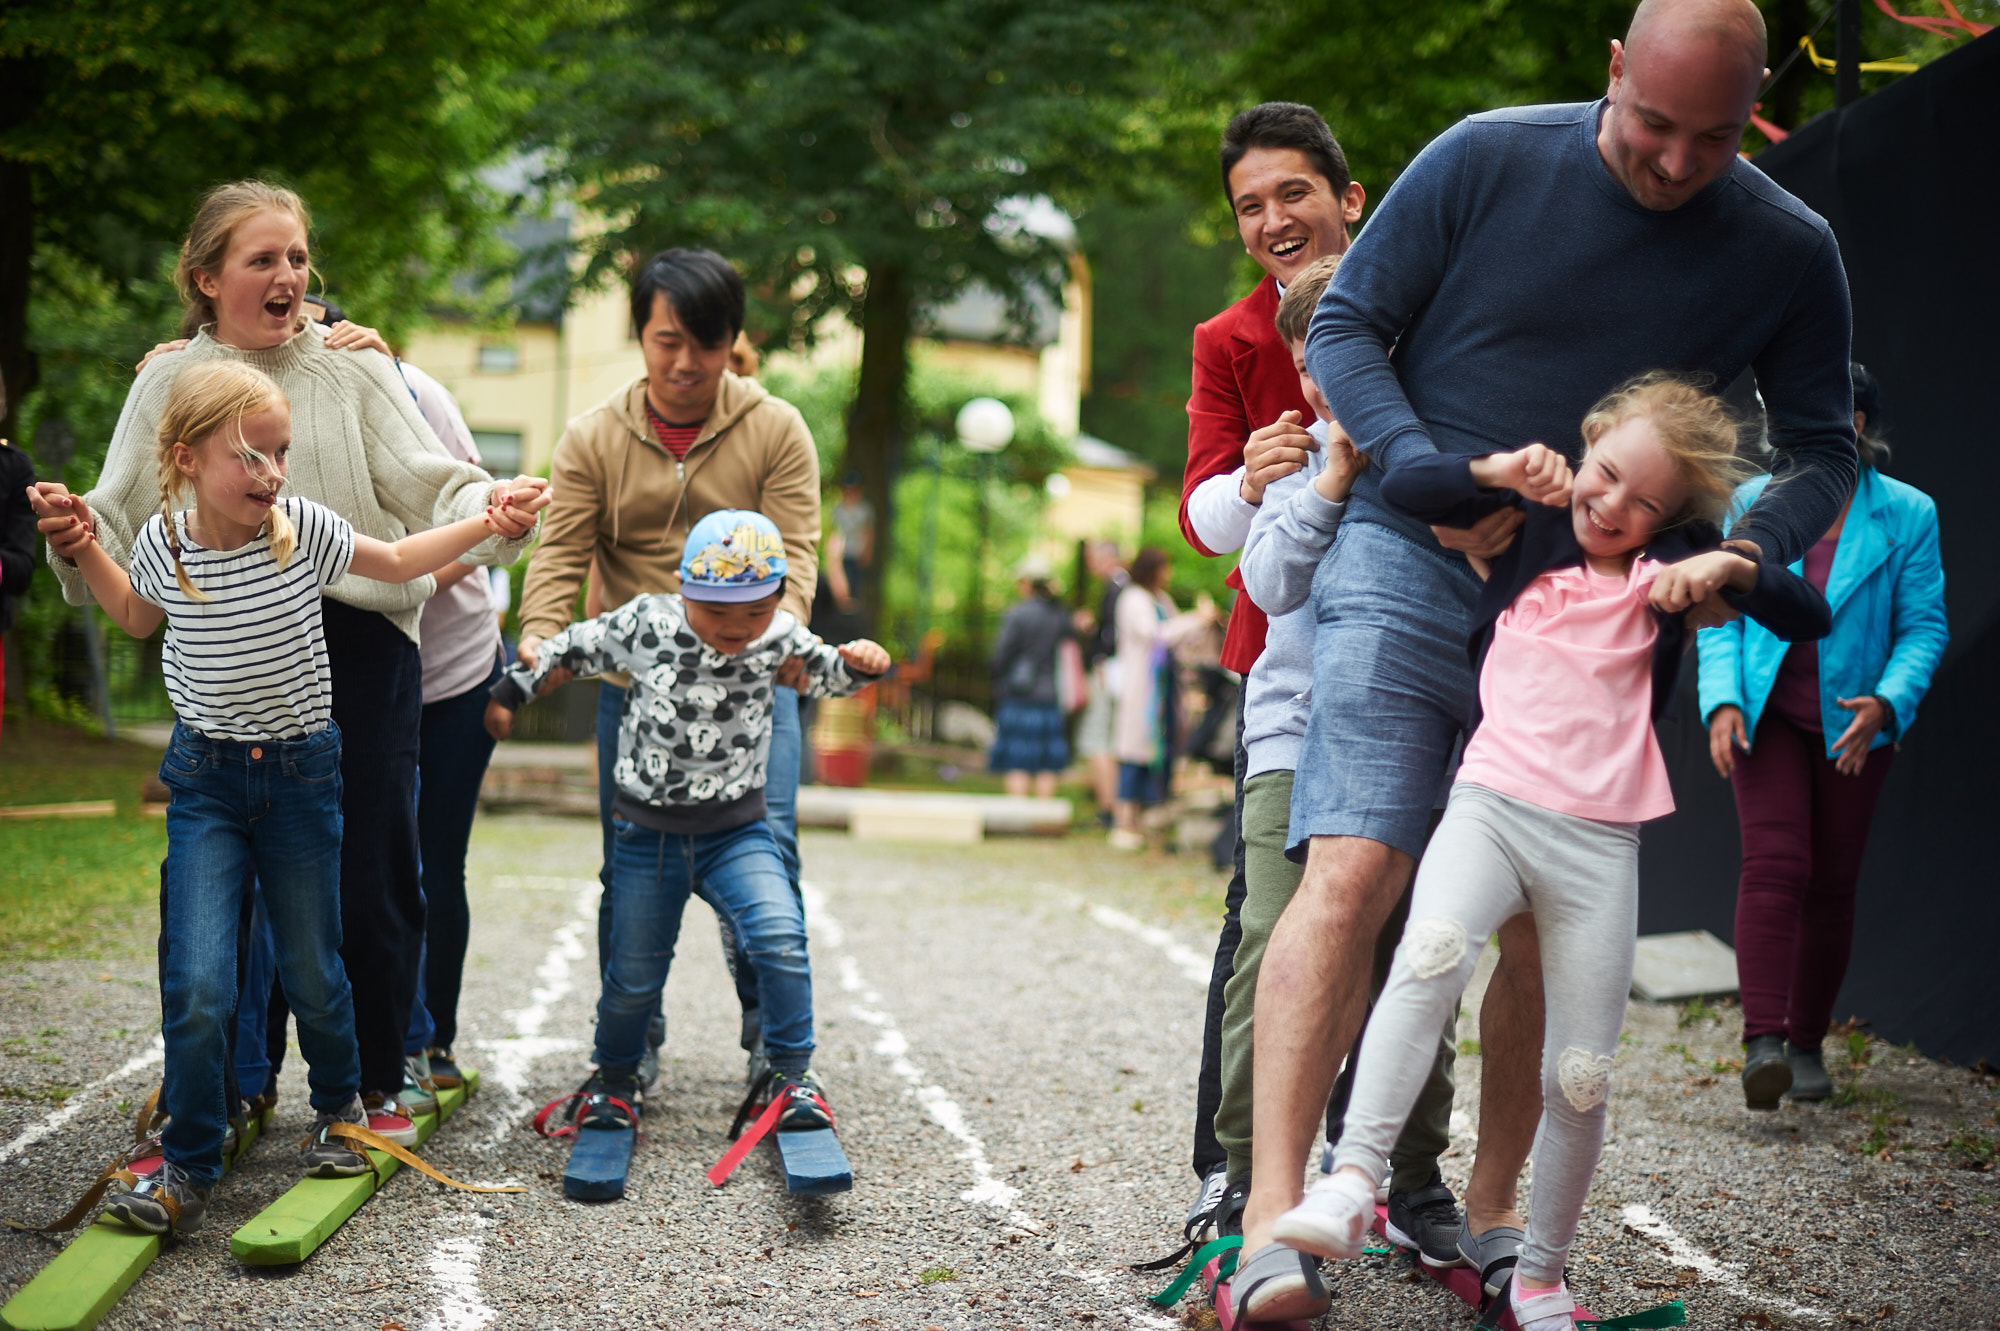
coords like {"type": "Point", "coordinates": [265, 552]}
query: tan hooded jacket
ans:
{"type": "Point", "coordinates": [622, 499]}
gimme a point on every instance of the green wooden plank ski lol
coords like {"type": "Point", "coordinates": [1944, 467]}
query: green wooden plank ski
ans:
{"type": "Point", "coordinates": [288, 1230]}
{"type": "Point", "coordinates": [88, 1277]}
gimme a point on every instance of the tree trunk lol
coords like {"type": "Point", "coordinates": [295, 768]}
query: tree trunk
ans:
{"type": "Point", "coordinates": [1795, 20]}
{"type": "Point", "coordinates": [877, 420]}
{"type": "Point", "coordinates": [18, 370]}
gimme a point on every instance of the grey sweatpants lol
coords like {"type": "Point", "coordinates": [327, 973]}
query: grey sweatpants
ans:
{"type": "Point", "coordinates": [1491, 858]}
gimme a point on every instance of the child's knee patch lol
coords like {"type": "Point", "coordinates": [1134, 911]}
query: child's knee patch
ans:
{"type": "Point", "coordinates": [1585, 1078]}
{"type": "Point", "coordinates": [1434, 945]}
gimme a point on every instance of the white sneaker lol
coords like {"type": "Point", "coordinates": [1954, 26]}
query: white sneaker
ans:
{"type": "Point", "coordinates": [1542, 1309]}
{"type": "Point", "coordinates": [1332, 1219]}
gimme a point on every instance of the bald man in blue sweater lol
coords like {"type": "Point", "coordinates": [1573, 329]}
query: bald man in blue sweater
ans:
{"type": "Point", "coordinates": [1528, 262]}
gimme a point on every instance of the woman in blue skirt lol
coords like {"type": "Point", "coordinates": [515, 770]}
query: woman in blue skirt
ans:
{"type": "Point", "coordinates": [1029, 744]}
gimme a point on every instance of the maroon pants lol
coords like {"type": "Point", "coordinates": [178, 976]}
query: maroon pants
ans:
{"type": "Point", "coordinates": [1804, 828]}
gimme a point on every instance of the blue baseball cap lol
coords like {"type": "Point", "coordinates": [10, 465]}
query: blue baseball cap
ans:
{"type": "Point", "coordinates": [733, 555]}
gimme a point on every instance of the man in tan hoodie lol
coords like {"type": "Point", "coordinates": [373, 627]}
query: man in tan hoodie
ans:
{"type": "Point", "coordinates": [635, 473]}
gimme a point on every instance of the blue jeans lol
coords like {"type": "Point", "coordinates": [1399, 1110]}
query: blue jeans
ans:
{"type": "Point", "coordinates": [742, 876]}
{"type": "Point", "coordinates": [272, 810]}
{"type": "Point", "coordinates": [781, 801]}
{"type": "Point", "coordinates": [1392, 688]}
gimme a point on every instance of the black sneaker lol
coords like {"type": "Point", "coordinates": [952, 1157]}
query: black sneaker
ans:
{"type": "Point", "coordinates": [1809, 1079]}
{"type": "Point", "coordinates": [1229, 1211]}
{"type": "Point", "coordinates": [805, 1101]}
{"type": "Point", "coordinates": [1766, 1074]}
{"type": "Point", "coordinates": [613, 1098]}
{"type": "Point", "coordinates": [163, 1201]}
{"type": "Point", "coordinates": [1427, 1220]}
{"type": "Point", "coordinates": [327, 1156]}
{"type": "Point", "coordinates": [446, 1075]}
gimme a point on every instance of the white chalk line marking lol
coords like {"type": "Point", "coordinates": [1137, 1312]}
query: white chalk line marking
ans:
{"type": "Point", "coordinates": [1111, 1283]}
{"type": "Point", "coordinates": [513, 1057]}
{"type": "Point", "coordinates": [891, 1044]}
{"type": "Point", "coordinates": [34, 1132]}
{"type": "Point", "coordinates": [454, 1266]}
{"type": "Point", "coordinates": [1680, 1252]}
{"type": "Point", "coordinates": [1188, 961]}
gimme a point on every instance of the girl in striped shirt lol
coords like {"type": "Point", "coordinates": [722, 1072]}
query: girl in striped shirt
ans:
{"type": "Point", "coordinates": [253, 769]}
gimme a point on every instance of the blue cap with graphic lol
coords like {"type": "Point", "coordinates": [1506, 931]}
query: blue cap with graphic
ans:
{"type": "Point", "coordinates": [733, 554]}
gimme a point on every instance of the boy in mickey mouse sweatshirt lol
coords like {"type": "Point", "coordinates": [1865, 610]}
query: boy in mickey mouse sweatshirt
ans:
{"type": "Point", "coordinates": [689, 805]}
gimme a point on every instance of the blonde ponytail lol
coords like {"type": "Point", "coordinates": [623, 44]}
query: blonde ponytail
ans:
{"type": "Point", "coordinates": [206, 399]}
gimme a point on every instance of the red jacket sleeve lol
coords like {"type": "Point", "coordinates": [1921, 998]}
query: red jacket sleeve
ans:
{"type": "Point", "coordinates": [1216, 425]}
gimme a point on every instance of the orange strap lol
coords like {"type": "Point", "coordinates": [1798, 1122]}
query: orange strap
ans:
{"type": "Point", "coordinates": [115, 1172]}
{"type": "Point", "coordinates": [150, 1117]}
{"type": "Point", "coordinates": [374, 1140]}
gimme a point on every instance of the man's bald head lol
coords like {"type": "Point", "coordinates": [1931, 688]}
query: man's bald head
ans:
{"type": "Point", "coordinates": [1682, 85]}
{"type": "Point", "coordinates": [1733, 25]}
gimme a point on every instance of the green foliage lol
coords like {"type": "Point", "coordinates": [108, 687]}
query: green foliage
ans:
{"type": "Point", "coordinates": [1692, 1011]}
{"type": "Point", "coordinates": [1468, 1048]}
{"type": "Point", "coordinates": [1193, 572]}
{"type": "Point", "coordinates": [932, 1275]}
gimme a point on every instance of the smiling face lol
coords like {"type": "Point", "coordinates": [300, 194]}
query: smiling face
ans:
{"type": "Point", "coordinates": [238, 471]}
{"type": "Point", "coordinates": [682, 375]}
{"type": "Point", "coordinates": [1679, 97]}
{"type": "Point", "coordinates": [1288, 213]}
{"type": "Point", "coordinates": [731, 626]}
{"type": "Point", "coordinates": [1626, 490]}
{"type": "Point", "coordinates": [261, 284]}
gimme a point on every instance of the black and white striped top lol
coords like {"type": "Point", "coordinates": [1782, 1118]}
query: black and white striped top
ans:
{"type": "Point", "coordinates": [250, 662]}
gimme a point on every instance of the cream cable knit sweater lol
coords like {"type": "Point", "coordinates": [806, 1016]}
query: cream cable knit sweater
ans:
{"type": "Point", "coordinates": [359, 447]}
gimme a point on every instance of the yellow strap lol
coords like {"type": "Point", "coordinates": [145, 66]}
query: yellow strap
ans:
{"type": "Point", "coordinates": [374, 1140]}
{"type": "Point", "coordinates": [149, 1118]}
{"type": "Point", "coordinates": [115, 1172]}
{"type": "Point", "coordinates": [1866, 67]}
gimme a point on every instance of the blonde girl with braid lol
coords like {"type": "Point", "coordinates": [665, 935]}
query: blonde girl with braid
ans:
{"type": "Point", "coordinates": [253, 768]}
{"type": "Point", "coordinates": [363, 451]}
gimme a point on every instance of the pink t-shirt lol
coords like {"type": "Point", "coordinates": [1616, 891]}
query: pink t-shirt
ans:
{"type": "Point", "coordinates": [1567, 692]}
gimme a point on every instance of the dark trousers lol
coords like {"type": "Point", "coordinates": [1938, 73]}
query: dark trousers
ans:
{"type": "Point", "coordinates": [1208, 1152]}
{"type": "Point", "coordinates": [1805, 827]}
{"type": "Point", "coordinates": [455, 749]}
{"type": "Point", "coordinates": [378, 703]}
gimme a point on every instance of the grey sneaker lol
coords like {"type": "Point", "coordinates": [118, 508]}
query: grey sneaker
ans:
{"type": "Point", "coordinates": [804, 1097]}
{"type": "Point", "coordinates": [419, 1093]}
{"type": "Point", "coordinates": [1766, 1074]}
{"type": "Point", "coordinates": [1201, 1215]}
{"type": "Point", "coordinates": [165, 1200]}
{"type": "Point", "coordinates": [1427, 1219]}
{"type": "Point", "coordinates": [335, 1157]}
{"type": "Point", "coordinates": [1809, 1079]}
{"type": "Point", "coordinates": [1492, 1254]}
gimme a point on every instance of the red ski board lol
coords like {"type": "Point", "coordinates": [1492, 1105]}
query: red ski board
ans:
{"type": "Point", "coordinates": [1460, 1280]}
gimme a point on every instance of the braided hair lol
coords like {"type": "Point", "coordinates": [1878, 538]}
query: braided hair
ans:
{"type": "Point", "coordinates": [206, 400]}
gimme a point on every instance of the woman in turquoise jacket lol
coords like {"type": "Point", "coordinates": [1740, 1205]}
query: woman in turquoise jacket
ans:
{"type": "Point", "coordinates": [1805, 733]}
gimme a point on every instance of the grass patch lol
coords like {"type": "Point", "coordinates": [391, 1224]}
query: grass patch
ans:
{"type": "Point", "coordinates": [933, 1275]}
{"type": "Point", "coordinates": [54, 1095]}
{"type": "Point", "coordinates": [82, 886]}
{"type": "Point", "coordinates": [1468, 1048]}
{"type": "Point", "coordinates": [1695, 1010]}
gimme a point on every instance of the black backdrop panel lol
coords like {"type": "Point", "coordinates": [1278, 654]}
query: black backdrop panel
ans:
{"type": "Point", "coordinates": [1910, 180]}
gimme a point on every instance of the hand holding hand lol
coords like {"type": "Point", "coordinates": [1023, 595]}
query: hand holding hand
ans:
{"type": "Point", "coordinates": [1486, 539]}
{"type": "Point", "coordinates": [513, 505]}
{"type": "Point", "coordinates": [792, 674]}
{"type": "Point", "coordinates": [528, 652]}
{"type": "Point", "coordinates": [1725, 736]}
{"type": "Point", "coordinates": [1871, 718]}
{"type": "Point", "coordinates": [63, 518]}
{"type": "Point", "coordinates": [350, 336]}
{"type": "Point", "coordinates": [162, 349]}
{"type": "Point", "coordinates": [1278, 449]}
{"type": "Point", "coordinates": [1344, 464]}
{"type": "Point", "coordinates": [867, 657]}
{"type": "Point", "coordinates": [1696, 579]}
{"type": "Point", "coordinates": [499, 721]}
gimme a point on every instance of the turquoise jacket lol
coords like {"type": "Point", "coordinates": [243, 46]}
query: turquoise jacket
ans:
{"type": "Point", "coordinates": [1886, 590]}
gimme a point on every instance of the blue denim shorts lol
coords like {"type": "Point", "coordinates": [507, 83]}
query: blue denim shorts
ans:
{"type": "Point", "coordinates": [1392, 688]}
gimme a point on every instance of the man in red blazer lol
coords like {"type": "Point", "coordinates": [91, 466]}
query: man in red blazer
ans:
{"type": "Point", "coordinates": [1287, 183]}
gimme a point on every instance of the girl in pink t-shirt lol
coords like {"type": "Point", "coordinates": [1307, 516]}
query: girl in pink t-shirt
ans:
{"type": "Point", "coordinates": [1579, 638]}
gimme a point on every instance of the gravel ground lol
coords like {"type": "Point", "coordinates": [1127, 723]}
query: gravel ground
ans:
{"type": "Point", "coordinates": [1009, 1036]}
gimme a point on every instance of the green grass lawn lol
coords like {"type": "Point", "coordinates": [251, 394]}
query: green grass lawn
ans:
{"type": "Point", "coordinates": [76, 886]}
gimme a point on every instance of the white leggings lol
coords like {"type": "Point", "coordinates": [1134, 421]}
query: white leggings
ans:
{"type": "Point", "coordinates": [1494, 856]}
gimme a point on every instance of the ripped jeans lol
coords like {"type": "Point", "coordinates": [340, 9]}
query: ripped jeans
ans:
{"type": "Point", "coordinates": [1494, 856]}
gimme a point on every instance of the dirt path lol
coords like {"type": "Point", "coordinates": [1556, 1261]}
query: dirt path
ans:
{"type": "Point", "coordinates": [1009, 1035]}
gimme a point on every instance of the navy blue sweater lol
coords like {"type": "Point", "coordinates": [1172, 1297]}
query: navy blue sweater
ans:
{"type": "Point", "coordinates": [1440, 489]}
{"type": "Point", "coordinates": [1518, 282]}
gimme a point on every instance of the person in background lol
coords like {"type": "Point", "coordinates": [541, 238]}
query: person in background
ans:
{"type": "Point", "coordinates": [17, 544]}
{"type": "Point", "coordinates": [1805, 734]}
{"type": "Point", "coordinates": [1149, 628]}
{"type": "Point", "coordinates": [854, 518]}
{"type": "Point", "coordinates": [1096, 728]}
{"type": "Point", "coordinates": [1028, 743]}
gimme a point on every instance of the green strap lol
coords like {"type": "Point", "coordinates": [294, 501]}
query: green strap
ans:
{"type": "Point", "coordinates": [1171, 1295]}
{"type": "Point", "coordinates": [1667, 1314]}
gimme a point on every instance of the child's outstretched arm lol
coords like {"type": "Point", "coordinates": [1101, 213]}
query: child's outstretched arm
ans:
{"type": "Point", "coordinates": [608, 642]}
{"type": "Point", "coordinates": [108, 582]}
{"type": "Point", "coordinates": [1457, 490]}
{"type": "Point", "coordinates": [835, 672]}
{"type": "Point", "coordinates": [420, 552]}
{"type": "Point", "coordinates": [1769, 593]}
